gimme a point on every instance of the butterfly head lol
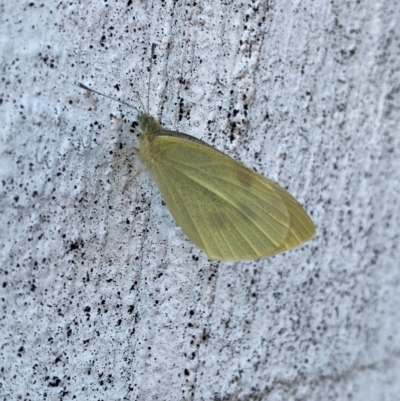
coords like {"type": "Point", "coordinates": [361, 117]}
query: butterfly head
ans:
{"type": "Point", "coordinates": [149, 126]}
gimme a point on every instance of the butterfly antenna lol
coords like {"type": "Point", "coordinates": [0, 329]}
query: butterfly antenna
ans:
{"type": "Point", "coordinates": [110, 97]}
{"type": "Point", "coordinates": [140, 100]}
{"type": "Point", "coordinates": [153, 46]}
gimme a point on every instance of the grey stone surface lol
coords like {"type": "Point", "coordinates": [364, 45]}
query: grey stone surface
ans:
{"type": "Point", "coordinates": [102, 297]}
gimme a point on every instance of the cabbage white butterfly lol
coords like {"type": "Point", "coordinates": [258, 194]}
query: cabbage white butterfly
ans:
{"type": "Point", "coordinates": [227, 210]}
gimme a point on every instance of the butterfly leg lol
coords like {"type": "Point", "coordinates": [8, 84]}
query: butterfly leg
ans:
{"type": "Point", "coordinates": [122, 156]}
{"type": "Point", "coordinates": [131, 179]}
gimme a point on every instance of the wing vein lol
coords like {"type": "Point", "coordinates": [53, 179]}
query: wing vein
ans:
{"type": "Point", "coordinates": [220, 177]}
{"type": "Point", "coordinates": [193, 220]}
{"type": "Point", "coordinates": [222, 234]}
{"type": "Point", "coordinates": [239, 187]}
{"type": "Point", "coordinates": [226, 199]}
{"type": "Point", "coordinates": [187, 210]}
{"type": "Point", "coordinates": [212, 234]}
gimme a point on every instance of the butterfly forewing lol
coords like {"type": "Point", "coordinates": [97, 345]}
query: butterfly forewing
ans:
{"type": "Point", "coordinates": [225, 208]}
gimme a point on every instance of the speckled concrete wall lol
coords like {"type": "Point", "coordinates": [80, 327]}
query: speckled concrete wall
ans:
{"type": "Point", "coordinates": [101, 295]}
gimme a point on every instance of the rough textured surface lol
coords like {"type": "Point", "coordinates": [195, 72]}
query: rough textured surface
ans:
{"type": "Point", "coordinates": [102, 298]}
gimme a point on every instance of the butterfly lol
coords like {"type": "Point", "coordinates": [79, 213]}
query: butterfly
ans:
{"type": "Point", "coordinates": [227, 210]}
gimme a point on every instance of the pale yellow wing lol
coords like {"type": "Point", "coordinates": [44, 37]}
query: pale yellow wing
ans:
{"type": "Point", "coordinates": [226, 209]}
